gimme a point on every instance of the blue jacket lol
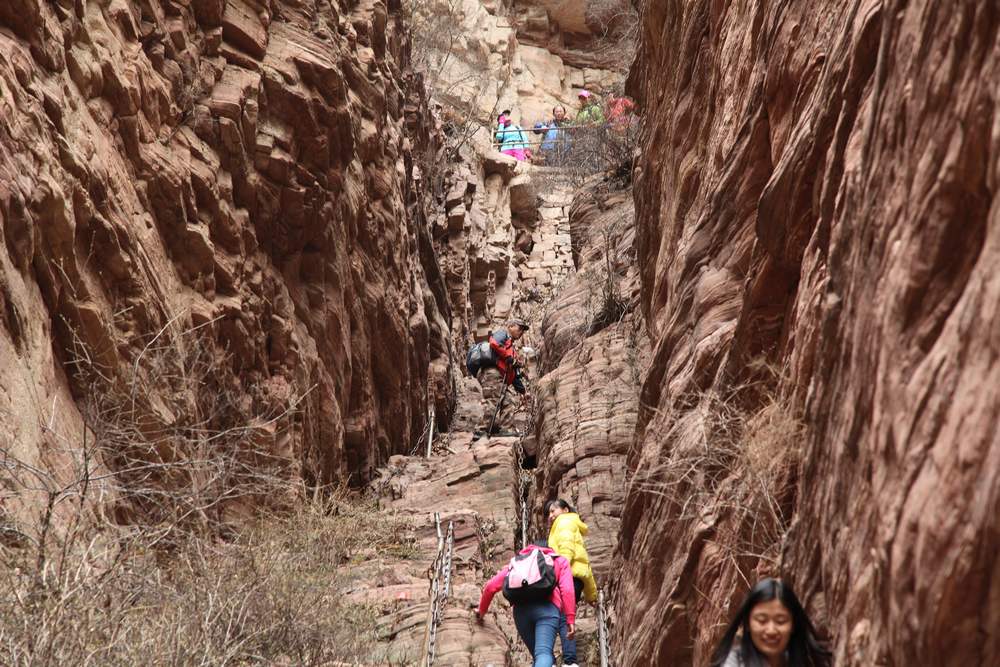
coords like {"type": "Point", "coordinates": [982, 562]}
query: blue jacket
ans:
{"type": "Point", "coordinates": [512, 138]}
{"type": "Point", "coordinates": [553, 135]}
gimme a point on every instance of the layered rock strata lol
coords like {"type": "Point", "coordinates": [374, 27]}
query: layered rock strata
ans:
{"type": "Point", "coordinates": [587, 400]}
{"type": "Point", "coordinates": [818, 196]}
{"type": "Point", "coordinates": [226, 166]}
{"type": "Point", "coordinates": [469, 486]}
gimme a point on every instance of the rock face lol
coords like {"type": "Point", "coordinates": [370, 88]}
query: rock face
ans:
{"type": "Point", "coordinates": [470, 486]}
{"type": "Point", "coordinates": [237, 167]}
{"type": "Point", "coordinates": [818, 194]}
{"type": "Point", "coordinates": [587, 400]}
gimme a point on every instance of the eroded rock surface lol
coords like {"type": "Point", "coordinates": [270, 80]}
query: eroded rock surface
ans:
{"type": "Point", "coordinates": [235, 166]}
{"type": "Point", "coordinates": [587, 401]}
{"type": "Point", "coordinates": [818, 194]}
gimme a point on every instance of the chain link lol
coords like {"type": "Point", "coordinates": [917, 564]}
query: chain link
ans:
{"type": "Point", "coordinates": [440, 586]}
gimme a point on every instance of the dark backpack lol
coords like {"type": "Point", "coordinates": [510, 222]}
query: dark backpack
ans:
{"type": "Point", "coordinates": [531, 577]}
{"type": "Point", "coordinates": [480, 355]}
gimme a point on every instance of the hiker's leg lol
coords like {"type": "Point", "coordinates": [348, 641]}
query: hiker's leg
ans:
{"type": "Point", "coordinates": [546, 627]}
{"type": "Point", "coordinates": [568, 645]}
{"type": "Point", "coordinates": [524, 621]}
{"type": "Point", "coordinates": [492, 384]}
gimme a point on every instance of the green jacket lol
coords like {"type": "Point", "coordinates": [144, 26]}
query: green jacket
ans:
{"type": "Point", "coordinates": [592, 114]}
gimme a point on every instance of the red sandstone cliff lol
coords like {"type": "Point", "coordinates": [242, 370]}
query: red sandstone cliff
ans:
{"type": "Point", "coordinates": [818, 195]}
{"type": "Point", "coordinates": [235, 166]}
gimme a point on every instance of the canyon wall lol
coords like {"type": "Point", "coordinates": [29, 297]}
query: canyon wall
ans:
{"type": "Point", "coordinates": [818, 232]}
{"type": "Point", "coordinates": [587, 398]}
{"type": "Point", "coordinates": [221, 179]}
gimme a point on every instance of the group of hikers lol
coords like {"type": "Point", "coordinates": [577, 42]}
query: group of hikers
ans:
{"type": "Point", "coordinates": [555, 134]}
{"type": "Point", "coordinates": [544, 583]}
{"type": "Point", "coordinates": [547, 579]}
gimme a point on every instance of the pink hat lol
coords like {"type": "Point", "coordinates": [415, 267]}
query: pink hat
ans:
{"type": "Point", "coordinates": [584, 93]}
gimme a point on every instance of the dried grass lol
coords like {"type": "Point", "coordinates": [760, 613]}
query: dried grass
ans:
{"type": "Point", "coordinates": [168, 532]}
{"type": "Point", "coordinates": [724, 464]}
{"type": "Point", "coordinates": [274, 595]}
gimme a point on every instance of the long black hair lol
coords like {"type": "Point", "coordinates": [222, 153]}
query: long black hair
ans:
{"type": "Point", "coordinates": [804, 648]}
{"type": "Point", "coordinates": [560, 503]}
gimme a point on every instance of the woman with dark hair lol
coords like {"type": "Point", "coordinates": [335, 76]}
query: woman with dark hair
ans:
{"type": "Point", "coordinates": [776, 632]}
{"type": "Point", "coordinates": [566, 538]}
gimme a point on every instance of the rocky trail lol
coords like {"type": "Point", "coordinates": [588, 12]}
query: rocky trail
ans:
{"type": "Point", "coordinates": [472, 502]}
{"type": "Point", "coordinates": [247, 243]}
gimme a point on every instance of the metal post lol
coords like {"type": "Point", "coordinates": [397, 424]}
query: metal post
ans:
{"type": "Point", "coordinates": [524, 519]}
{"type": "Point", "coordinates": [602, 630]}
{"type": "Point", "coordinates": [440, 588]}
{"type": "Point", "coordinates": [430, 430]}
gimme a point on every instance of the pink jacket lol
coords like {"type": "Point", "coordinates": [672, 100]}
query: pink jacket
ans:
{"type": "Point", "coordinates": [563, 595]}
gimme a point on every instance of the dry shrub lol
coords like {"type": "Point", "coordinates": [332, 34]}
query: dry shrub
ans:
{"type": "Point", "coordinates": [606, 151]}
{"type": "Point", "coordinates": [272, 596]}
{"type": "Point", "coordinates": [607, 304]}
{"type": "Point", "coordinates": [616, 45]}
{"type": "Point", "coordinates": [726, 463]}
{"type": "Point", "coordinates": [169, 532]}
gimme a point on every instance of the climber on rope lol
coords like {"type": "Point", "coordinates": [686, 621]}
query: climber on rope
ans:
{"type": "Point", "coordinates": [539, 585]}
{"type": "Point", "coordinates": [511, 138]}
{"type": "Point", "coordinates": [566, 538]}
{"type": "Point", "coordinates": [498, 353]}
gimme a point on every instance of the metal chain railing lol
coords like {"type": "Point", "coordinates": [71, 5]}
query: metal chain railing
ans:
{"type": "Point", "coordinates": [602, 631]}
{"type": "Point", "coordinates": [440, 587]}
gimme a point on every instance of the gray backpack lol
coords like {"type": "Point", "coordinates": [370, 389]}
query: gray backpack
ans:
{"type": "Point", "coordinates": [480, 355]}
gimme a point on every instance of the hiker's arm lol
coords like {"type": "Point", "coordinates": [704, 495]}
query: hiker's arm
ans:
{"type": "Point", "coordinates": [568, 593]}
{"type": "Point", "coordinates": [492, 587]}
{"type": "Point", "coordinates": [590, 587]}
{"type": "Point", "coordinates": [500, 350]}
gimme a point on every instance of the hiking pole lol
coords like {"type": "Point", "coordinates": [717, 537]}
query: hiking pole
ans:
{"type": "Point", "coordinates": [498, 409]}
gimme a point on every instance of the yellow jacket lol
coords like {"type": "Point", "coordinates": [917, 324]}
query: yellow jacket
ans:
{"type": "Point", "coordinates": [566, 539]}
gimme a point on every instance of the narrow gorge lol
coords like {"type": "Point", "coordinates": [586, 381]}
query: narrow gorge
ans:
{"type": "Point", "coordinates": [248, 243]}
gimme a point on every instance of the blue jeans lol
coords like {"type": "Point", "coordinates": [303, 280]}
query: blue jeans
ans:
{"type": "Point", "coordinates": [568, 645]}
{"type": "Point", "coordinates": [537, 623]}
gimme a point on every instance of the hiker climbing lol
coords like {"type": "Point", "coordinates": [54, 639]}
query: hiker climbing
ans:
{"type": "Point", "coordinates": [566, 539]}
{"type": "Point", "coordinates": [774, 631]}
{"type": "Point", "coordinates": [539, 586]}
{"type": "Point", "coordinates": [590, 111]}
{"type": "Point", "coordinates": [511, 138]}
{"type": "Point", "coordinates": [498, 353]}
